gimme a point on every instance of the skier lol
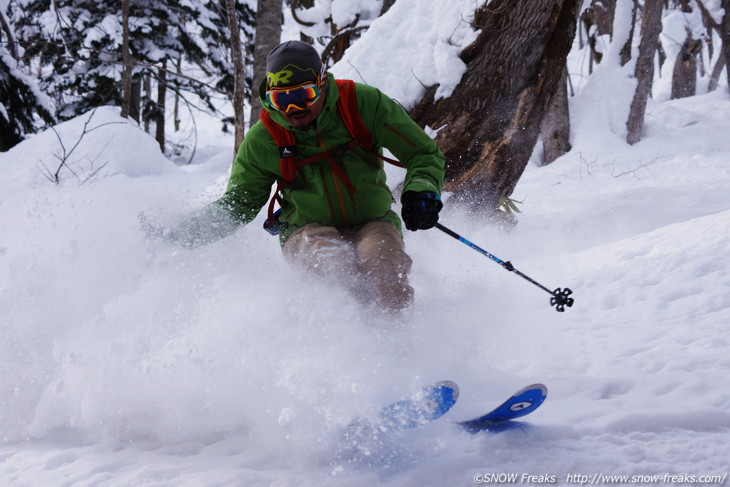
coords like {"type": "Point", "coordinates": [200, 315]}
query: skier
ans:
{"type": "Point", "coordinates": [335, 219]}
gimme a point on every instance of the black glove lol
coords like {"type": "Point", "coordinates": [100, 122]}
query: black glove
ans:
{"type": "Point", "coordinates": [420, 209]}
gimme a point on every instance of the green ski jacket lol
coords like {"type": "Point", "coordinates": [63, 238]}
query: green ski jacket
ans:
{"type": "Point", "coordinates": [317, 195]}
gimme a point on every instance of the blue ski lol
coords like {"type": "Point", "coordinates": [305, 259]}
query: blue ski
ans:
{"type": "Point", "coordinates": [374, 439]}
{"type": "Point", "coordinates": [520, 404]}
{"type": "Point", "coordinates": [433, 401]}
{"type": "Point", "coordinates": [429, 404]}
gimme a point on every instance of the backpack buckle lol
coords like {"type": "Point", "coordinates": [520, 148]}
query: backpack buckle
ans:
{"type": "Point", "coordinates": [273, 225]}
{"type": "Point", "coordinates": [341, 149]}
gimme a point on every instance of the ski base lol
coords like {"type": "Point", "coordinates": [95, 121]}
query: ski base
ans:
{"type": "Point", "coordinates": [434, 401]}
{"type": "Point", "coordinates": [428, 405]}
{"type": "Point", "coordinates": [521, 403]}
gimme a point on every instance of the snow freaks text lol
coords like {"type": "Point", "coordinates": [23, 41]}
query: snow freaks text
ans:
{"type": "Point", "coordinates": [598, 479]}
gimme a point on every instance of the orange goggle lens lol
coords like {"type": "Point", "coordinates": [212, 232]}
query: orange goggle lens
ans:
{"type": "Point", "coordinates": [297, 98]}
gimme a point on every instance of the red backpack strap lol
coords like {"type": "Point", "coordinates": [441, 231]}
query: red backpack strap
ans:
{"type": "Point", "coordinates": [286, 143]}
{"type": "Point", "coordinates": [350, 114]}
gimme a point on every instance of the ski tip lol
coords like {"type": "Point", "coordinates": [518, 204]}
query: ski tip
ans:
{"type": "Point", "coordinates": [447, 384]}
{"type": "Point", "coordinates": [429, 404]}
{"type": "Point", "coordinates": [441, 397]}
{"type": "Point", "coordinates": [521, 403]}
{"type": "Point", "coordinates": [532, 387]}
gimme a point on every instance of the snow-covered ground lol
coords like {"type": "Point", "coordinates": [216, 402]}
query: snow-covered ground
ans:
{"type": "Point", "coordinates": [126, 361]}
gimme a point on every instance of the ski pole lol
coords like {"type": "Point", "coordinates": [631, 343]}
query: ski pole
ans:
{"type": "Point", "coordinates": [560, 297]}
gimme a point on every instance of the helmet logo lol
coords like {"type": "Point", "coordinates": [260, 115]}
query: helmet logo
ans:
{"type": "Point", "coordinates": [291, 74]}
{"type": "Point", "coordinates": [280, 78]}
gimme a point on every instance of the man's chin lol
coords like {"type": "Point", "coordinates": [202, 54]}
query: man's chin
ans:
{"type": "Point", "coordinates": [300, 121]}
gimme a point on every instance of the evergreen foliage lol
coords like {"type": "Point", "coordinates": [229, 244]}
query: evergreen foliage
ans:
{"type": "Point", "coordinates": [77, 44]}
{"type": "Point", "coordinates": [21, 101]}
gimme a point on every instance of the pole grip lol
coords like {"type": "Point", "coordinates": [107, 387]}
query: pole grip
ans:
{"type": "Point", "coordinates": [448, 231]}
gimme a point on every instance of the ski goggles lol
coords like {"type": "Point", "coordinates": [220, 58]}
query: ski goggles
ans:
{"type": "Point", "coordinates": [296, 98]}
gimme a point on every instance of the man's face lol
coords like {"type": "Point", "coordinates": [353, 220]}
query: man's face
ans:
{"type": "Point", "coordinates": [303, 119]}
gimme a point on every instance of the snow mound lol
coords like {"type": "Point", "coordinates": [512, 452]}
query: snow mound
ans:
{"type": "Point", "coordinates": [94, 145]}
{"type": "Point", "coordinates": [411, 48]}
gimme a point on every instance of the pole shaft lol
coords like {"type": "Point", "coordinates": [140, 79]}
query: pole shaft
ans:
{"type": "Point", "coordinates": [470, 244]}
{"type": "Point", "coordinates": [507, 265]}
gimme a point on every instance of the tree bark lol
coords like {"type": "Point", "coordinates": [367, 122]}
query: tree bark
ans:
{"type": "Point", "coordinates": [146, 115]}
{"type": "Point", "coordinates": [386, 6]}
{"type": "Point", "coordinates": [600, 14]}
{"type": "Point", "coordinates": [684, 76]}
{"type": "Point", "coordinates": [127, 60]}
{"type": "Point", "coordinates": [556, 125]}
{"type": "Point", "coordinates": [626, 49]}
{"type": "Point", "coordinates": [711, 24]}
{"type": "Point", "coordinates": [161, 106]}
{"type": "Point", "coordinates": [725, 33]}
{"type": "Point", "coordinates": [267, 37]}
{"type": "Point", "coordinates": [651, 27]}
{"type": "Point", "coordinates": [176, 107]}
{"type": "Point", "coordinates": [239, 73]}
{"type": "Point", "coordinates": [716, 72]}
{"type": "Point", "coordinates": [490, 124]}
{"type": "Point", "coordinates": [135, 102]}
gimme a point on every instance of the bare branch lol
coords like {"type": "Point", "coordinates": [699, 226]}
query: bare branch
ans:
{"type": "Point", "coordinates": [63, 158]}
{"type": "Point", "coordinates": [642, 165]}
{"type": "Point", "coordinates": [294, 5]}
{"type": "Point", "coordinates": [12, 47]}
{"type": "Point", "coordinates": [335, 42]}
{"type": "Point", "coordinates": [707, 17]}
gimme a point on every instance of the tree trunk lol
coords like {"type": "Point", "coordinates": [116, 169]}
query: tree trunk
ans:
{"type": "Point", "coordinates": [161, 106]}
{"type": "Point", "coordinates": [684, 76]}
{"type": "Point", "coordinates": [716, 72]}
{"type": "Point", "coordinates": [146, 115]}
{"type": "Point", "coordinates": [135, 102]}
{"type": "Point", "coordinates": [176, 108]}
{"type": "Point", "coordinates": [725, 32]}
{"type": "Point", "coordinates": [711, 24]}
{"type": "Point", "coordinates": [626, 49]}
{"type": "Point", "coordinates": [490, 124]}
{"type": "Point", "coordinates": [600, 14]}
{"type": "Point", "coordinates": [556, 125]}
{"type": "Point", "coordinates": [267, 37]}
{"type": "Point", "coordinates": [651, 27]}
{"type": "Point", "coordinates": [386, 6]}
{"type": "Point", "coordinates": [239, 73]}
{"type": "Point", "coordinates": [127, 60]}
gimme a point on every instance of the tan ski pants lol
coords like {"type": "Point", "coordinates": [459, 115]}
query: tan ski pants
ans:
{"type": "Point", "coordinates": [368, 259]}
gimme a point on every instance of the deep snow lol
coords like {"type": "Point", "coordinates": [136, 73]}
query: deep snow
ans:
{"type": "Point", "coordinates": [126, 361]}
